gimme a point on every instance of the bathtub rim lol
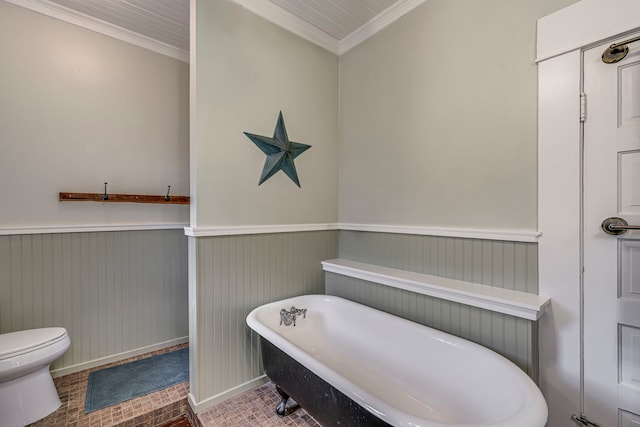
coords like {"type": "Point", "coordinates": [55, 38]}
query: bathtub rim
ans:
{"type": "Point", "coordinates": [533, 404]}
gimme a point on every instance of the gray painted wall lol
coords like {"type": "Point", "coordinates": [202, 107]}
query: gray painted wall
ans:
{"type": "Point", "coordinates": [114, 292]}
{"type": "Point", "coordinates": [80, 108]}
{"type": "Point", "coordinates": [508, 265]}
{"type": "Point", "coordinates": [235, 274]}
{"type": "Point", "coordinates": [244, 71]}
{"type": "Point", "coordinates": [438, 118]}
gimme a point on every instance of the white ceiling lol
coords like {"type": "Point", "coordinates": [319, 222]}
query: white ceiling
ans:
{"type": "Point", "coordinates": [164, 20]}
{"type": "Point", "coordinates": [338, 18]}
{"type": "Point", "coordinates": [335, 25]}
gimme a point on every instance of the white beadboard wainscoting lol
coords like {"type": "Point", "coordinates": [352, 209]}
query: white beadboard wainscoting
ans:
{"type": "Point", "coordinates": [118, 293]}
{"type": "Point", "coordinates": [233, 275]}
{"type": "Point", "coordinates": [508, 265]}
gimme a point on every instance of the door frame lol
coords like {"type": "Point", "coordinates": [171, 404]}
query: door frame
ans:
{"type": "Point", "coordinates": [562, 37]}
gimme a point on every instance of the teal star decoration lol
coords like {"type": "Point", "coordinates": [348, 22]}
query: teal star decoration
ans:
{"type": "Point", "coordinates": [280, 152]}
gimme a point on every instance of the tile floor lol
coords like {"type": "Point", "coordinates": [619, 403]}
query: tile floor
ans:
{"type": "Point", "coordinates": [254, 408]}
{"type": "Point", "coordinates": [154, 409]}
{"type": "Point", "coordinates": [169, 407]}
{"type": "Point", "coordinates": [183, 421]}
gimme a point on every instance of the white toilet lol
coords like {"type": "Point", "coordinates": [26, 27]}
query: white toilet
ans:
{"type": "Point", "coordinates": [27, 392]}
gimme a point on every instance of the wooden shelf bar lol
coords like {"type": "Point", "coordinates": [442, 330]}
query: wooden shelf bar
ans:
{"type": "Point", "coordinates": [124, 198]}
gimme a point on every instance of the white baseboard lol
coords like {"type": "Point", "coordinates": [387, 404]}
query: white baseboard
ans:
{"type": "Point", "coordinates": [116, 357]}
{"type": "Point", "coordinates": [207, 403]}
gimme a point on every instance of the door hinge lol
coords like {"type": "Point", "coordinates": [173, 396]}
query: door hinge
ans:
{"type": "Point", "coordinates": [582, 420]}
{"type": "Point", "coordinates": [583, 107]}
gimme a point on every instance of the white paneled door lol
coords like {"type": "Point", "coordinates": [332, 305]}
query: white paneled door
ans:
{"type": "Point", "coordinates": [611, 171]}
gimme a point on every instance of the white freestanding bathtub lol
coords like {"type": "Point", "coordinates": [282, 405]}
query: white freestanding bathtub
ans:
{"type": "Point", "coordinates": [402, 373]}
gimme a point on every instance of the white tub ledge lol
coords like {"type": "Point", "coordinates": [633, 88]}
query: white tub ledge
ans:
{"type": "Point", "coordinates": [506, 301]}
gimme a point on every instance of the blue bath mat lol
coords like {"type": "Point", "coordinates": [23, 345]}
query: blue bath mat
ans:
{"type": "Point", "coordinates": [123, 382]}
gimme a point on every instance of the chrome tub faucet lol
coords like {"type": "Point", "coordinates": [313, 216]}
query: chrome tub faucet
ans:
{"type": "Point", "coordinates": [289, 317]}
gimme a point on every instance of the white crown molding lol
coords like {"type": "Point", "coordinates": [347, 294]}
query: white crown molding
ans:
{"type": "Point", "coordinates": [506, 301]}
{"type": "Point", "coordinates": [8, 231]}
{"type": "Point", "coordinates": [71, 16]}
{"type": "Point", "coordinates": [266, 9]}
{"type": "Point", "coordinates": [285, 19]}
{"type": "Point", "coordinates": [468, 233]}
{"type": "Point", "coordinates": [255, 229]}
{"type": "Point", "coordinates": [390, 15]}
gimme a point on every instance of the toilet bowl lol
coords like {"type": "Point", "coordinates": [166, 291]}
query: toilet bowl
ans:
{"type": "Point", "coordinates": [27, 392]}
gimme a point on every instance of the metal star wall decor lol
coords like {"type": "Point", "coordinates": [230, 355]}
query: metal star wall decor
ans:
{"type": "Point", "coordinates": [280, 152]}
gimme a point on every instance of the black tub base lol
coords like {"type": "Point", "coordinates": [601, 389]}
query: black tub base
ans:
{"type": "Point", "coordinates": [321, 400]}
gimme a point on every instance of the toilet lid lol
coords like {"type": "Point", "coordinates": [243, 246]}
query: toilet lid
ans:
{"type": "Point", "coordinates": [23, 341]}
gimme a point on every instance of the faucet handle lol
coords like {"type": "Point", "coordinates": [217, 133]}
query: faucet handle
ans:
{"type": "Point", "coordinates": [284, 316]}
